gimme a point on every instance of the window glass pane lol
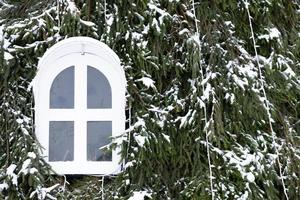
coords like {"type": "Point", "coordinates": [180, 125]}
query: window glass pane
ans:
{"type": "Point", "coordinates": [62, 89]}
{"type": "Point", "coordinates": [61, 141]}
{"type": "Point", "coordinates": [98, 135]}
{"type": "Point", "coordinates": [98, 89]}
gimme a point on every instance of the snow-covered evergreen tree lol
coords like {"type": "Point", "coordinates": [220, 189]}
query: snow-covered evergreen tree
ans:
{"type": "Point", "coordinates": [213, 97]}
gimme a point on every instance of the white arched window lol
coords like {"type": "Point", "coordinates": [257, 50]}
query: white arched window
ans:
{"type": "Point", "coordinates": [79, 95]}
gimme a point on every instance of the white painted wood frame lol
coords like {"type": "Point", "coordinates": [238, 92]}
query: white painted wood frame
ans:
{"type": "Point", "coordinates": [79, 52]}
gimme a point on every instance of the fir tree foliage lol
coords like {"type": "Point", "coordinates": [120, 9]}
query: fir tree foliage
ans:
{"type": "Point", "coordinates": [194, 95]}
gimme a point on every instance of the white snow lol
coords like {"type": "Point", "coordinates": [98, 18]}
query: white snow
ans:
{"type": "Point", "coordinates": [289, 72]}
{"type": "Point", "coordinates": [162, 13]}
{"type": "Point", "coordinates": [10, 172]}
{"type": "Point", "coordinates": [245, 196]}
{"type": "Point", "coordinates": [10, 169]}
{"type": "Point", "coordinates": [157, 110]}
{"type": "Point", "coordinates": [146, 29]}
{"type": "Point", "coordinates": [184, 120]}
{"type": "Point", "coordinates": [140, 195]}
{"type": "Point", "coordinates": [41, 22]}
{"type": "Point", "coordinates": [250, 177]}
{"type": "Point", "coordinates": [17, 26]}
{"type": "Point", "coordinates": [134, 35]}
{"type": "Point", "coordinates": [196, 39]}
{"type": "Point", "coordinates": [6, 43]}
{"type": "Point", "coordinates": [240, 82]}
{"type": "Point", "coordinates": [201, 103]}
{"type": "Point", "coordinates": [4, 4]}
{"type": "Point", "coordinates": [19, 121]}
{"type": "Point", "coordinates": [33, 170]}
{"type": "Point", "coordinates": [109, 19]}
{"type": "Point", "coordinates": [24, 130]}
{"type": "Point", "coordinates": [229, 23]}
{"type": "Point", "coordinates": [87, 23]}
{"type": "Point", "coordinates": [129, 164]}
{"type": "Point", "coordinates": [272, 33]}
{"type": "Point", "coordinates": [206, 92]}
{"type": "Point", "coordinates": [248, 69]}
{"type": "Point", "coordinates": [156, 25]}
{"type": "Point", "coordinates": [166, 137]}
{"type": "Point", "coordinates": [140, 140]}
{"type": "Point", "coordinates": [148, 82]}
{"type": "Point", "coordinates": [243, 162]}
{"type": "Point", "coordinates": [140, 122]}
{"type": "Point", "coordinates": [43, 193]}
{"type": "Point", "coordinates": [72, 8]}
{"type": "Point", "coordinates": [1, 32]}
{"type": "Point", "coordinates": [25, 165]}
{"type": "Point", "coordinates": [31, 155]}
{"type": "Point", "coordinates": [190, 14]}
{"type": "Point", "coordinates": [230, 97]}
{"type": "Point", "coordinates": [184, 31]}
{"type": "Point", "coordinates": [137, 136]}
{"type": "Point", "coordinates": [3, 186]}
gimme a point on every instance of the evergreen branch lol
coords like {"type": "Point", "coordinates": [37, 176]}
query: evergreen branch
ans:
{"type": "Point", "coordinates": [266, 102]}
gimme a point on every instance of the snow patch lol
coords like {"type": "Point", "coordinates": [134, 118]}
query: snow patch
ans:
{"type": "Point", "coordinates": [140, 195]}
{"type": "Point", "coordinates": [148, 82]}
{"type": "Point", "coordinates": [162, 13]}
{"type": "Point", "coordinates": [230, 97]}
{"type": "Point", "coordinates": [25, 166]}
{"type": "Point", "coordinates": [272, 33]}
{"type": "Point", "coordinates": [240, 82]}
{"type": "Point", "coordinates": [87, 23]}
{"type": "Point", "coordinates": [3, 186]}
{"type": "Point", "coordinates": [140, 140]}
{"type": "Point", "coordinates": [24, 130]}
{"type": "Point", "coordinates": [109, 21]}
{"type": "Point", "coordinates": [10, 169]}
{"type": "Point", "coordinates": [184, 31]}
{"type": "Point", "coordinates": [10, 172]}
{"type": "Point", "coordinates": [1, 32]}
{"type": "Point", "coordinates": [245, 196]}
{"type": "Point", "coordinates": [72, 7]}
{"type": "Point", "coordinates": [33, 171]}
{"type": "Point", "coordinates": [206, 92]}
{"type": "Point", "coordinates": [8, 56]}
{"type": "Point", "coordinates": [289, 72]}
{"type": "Point", "coordinates": [184, 121]}
{"type": "Point", "coordinates": [31, 155]}
{"type": "Point", "coordinates": [196, 39]}
{"type": "Point", "coordinates": [129, 164]}
{"type": "Point", "coordinates": [140, 122]}
{"type": "Point", "coordinates": [166, 137]}
{"type": "Point", "coordinates": [250, 177]}
{"type": "Point", "coordinates": [134, 35]}
{"type": "Point", "coordinates": [156, 25]}
{"type": "Point", "coordinates": [19, 121]}
{"type": "Point", "coordinates": [43, 193]}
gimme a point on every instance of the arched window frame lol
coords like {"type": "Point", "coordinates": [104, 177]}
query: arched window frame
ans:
{"type": "Point", "coordinates": [79, 52]}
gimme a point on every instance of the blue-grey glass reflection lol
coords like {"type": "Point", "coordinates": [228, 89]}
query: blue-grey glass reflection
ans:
{"type": "Point", "coordinates": [98, 135]}
{"type": "Point", "coordinates": [62, 89]}
{"type": "Point", "coordinates": [61, 141]}
{"type": "Point", "coordinates": [98, 89]}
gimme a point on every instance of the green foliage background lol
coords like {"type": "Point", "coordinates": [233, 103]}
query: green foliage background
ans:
{"type": "Point", "coordinates": [205, 83]}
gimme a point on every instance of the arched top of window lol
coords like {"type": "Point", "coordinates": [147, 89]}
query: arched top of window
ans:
{"type": "Point", "coordinates": [62, 89]}
{"type": "Point", "coordinates": [98, 89]}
